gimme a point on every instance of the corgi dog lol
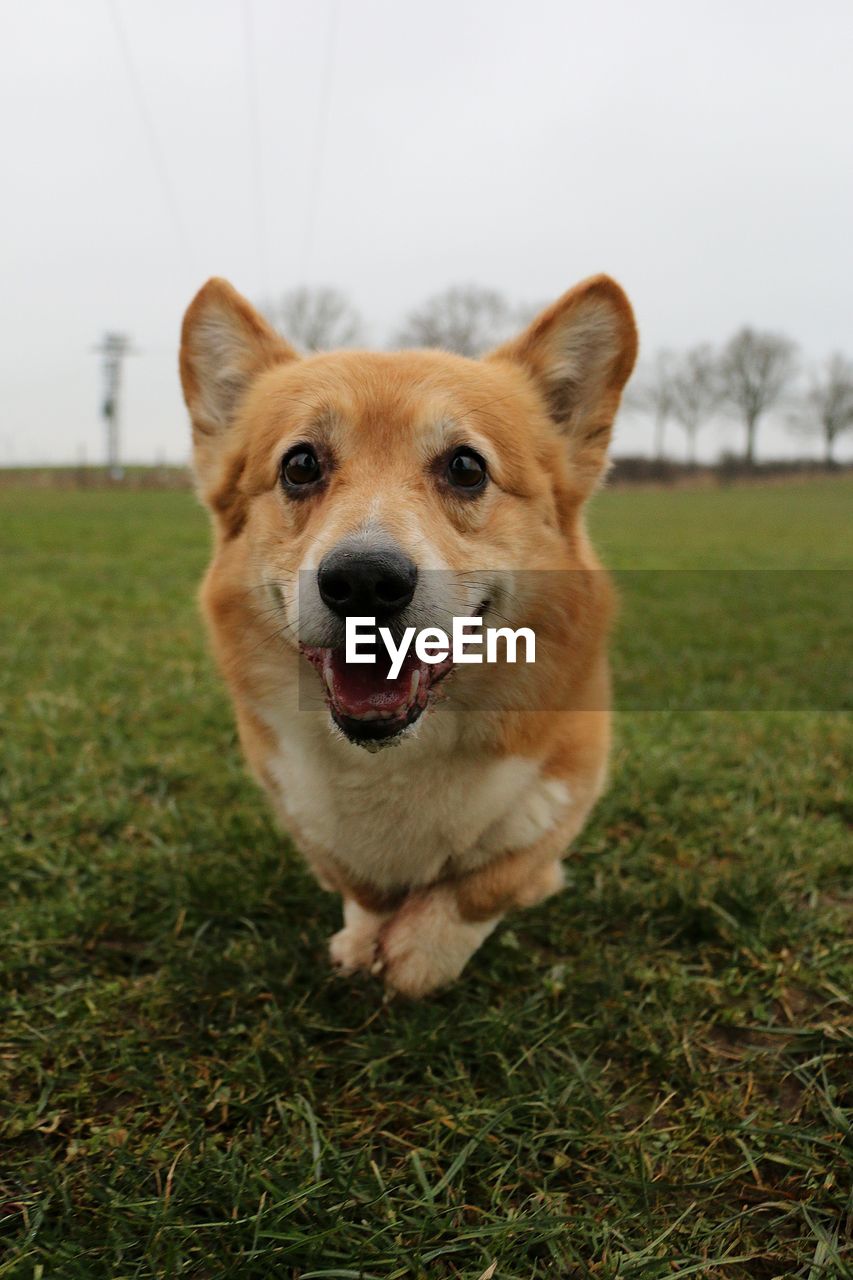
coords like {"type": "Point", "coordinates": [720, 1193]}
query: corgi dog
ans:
{"type": "Point", "coordinates": [412, 487]}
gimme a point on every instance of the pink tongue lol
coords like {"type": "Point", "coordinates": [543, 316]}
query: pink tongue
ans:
{"type": "Point", "coordinates": [361, 687]}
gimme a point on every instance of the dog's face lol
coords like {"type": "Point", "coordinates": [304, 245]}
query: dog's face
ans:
{"type": "Point", "coordinates": [411, 487]}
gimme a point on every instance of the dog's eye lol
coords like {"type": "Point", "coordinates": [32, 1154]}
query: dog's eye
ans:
{"type": "Point", "coordinates": [466, 469]}
{"type": "Point", "coordinates": [300, 466]}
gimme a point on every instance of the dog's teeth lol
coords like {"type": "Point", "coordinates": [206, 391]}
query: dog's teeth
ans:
{"type": "Point", "coordinates": [413, 687]}
{"type": "Point", "coordinates": [329, 678]}
{"type": "Point", "coordinates": [369, 715]}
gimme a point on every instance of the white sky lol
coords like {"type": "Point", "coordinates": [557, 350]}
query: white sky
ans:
{"type": "Point", "coordinates": [699, 151]}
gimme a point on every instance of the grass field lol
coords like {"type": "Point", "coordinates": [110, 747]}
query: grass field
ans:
{"type": "Point", "coordinates": [649, 1076]}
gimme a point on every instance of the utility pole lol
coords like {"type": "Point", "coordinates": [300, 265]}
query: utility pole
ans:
{"type": "Point", "coordinates": [113, 348]}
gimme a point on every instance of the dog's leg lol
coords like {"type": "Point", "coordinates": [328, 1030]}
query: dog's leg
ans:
{"type": "Point", "coordinates": [354, 946]}
{"type": "Point", "coordinates": [427, 943]}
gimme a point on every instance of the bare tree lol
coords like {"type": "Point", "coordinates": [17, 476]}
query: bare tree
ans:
{"type": "Point", "coordinates": [466, 319]}
{"type": "Point", "coordinates": [316, 319]}
{"type": "Point", "coordinates": [696, 391]}
{"type": "Point", "coordinates": [827, 406]}
{"type": "Point", "coordinates": [652, 393]}
{"type": "Point", "coordinates": [756, 370]}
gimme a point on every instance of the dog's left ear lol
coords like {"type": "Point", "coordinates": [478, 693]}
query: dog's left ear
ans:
{"type": "Point", "coordinates": [580, 353]}
{"type": "Point", "coordinates": [225, 345]}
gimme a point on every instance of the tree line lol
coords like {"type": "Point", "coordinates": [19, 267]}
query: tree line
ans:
{"type": "Point", "coordinates": [753, 374]}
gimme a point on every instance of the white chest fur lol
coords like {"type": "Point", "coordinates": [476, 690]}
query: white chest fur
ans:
{"type": "Point", "coordinates": [398, 817]}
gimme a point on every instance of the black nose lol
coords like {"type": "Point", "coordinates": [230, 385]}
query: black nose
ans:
{"type": "Point", "coordinates": [357, 582]}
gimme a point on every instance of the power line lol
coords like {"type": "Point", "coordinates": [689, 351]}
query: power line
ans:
{"type": "Point", "coordinates": [255, 144]}
{"type": "Point", "coordinates": [158, 159]}
{"type": "Point", "coordinates": [321, 140]}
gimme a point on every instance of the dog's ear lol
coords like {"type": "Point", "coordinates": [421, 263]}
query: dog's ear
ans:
{"type": "Point", "coordinates": [580, 353]}
{"type": "Point", "coordinates": [225, 344]}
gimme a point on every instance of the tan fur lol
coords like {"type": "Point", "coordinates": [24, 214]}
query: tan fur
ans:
{"type": "Point", "coordinates": [431, 842]}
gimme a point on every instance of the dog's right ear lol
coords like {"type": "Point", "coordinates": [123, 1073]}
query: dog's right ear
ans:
{"type": "Point", "coordinates": [225, 344]}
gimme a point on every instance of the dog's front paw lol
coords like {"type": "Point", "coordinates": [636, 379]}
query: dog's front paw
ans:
{"type": "Point", "coordinates": [355, 946]}
{"type": "Point", "coordinates": [350, 951]}
{"type": "Point", "coordinates": [427, 944]}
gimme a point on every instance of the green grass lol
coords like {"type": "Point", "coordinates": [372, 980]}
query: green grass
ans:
{"type": "Point", "coordinates": [647, 1077]}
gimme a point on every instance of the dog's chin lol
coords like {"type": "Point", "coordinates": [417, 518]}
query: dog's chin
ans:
{"type": "Point", "coordinates": [373, 735]}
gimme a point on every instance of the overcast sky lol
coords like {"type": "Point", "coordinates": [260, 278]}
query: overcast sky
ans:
{"type": "Point", "coordinates": [698, 151]}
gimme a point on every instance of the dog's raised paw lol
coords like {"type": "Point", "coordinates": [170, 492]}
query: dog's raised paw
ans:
{"type": "Point", "coordinates": [426, 945]}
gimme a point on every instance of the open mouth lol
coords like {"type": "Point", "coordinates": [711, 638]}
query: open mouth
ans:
{"type": "Point", "coordinates": [364, 703]}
